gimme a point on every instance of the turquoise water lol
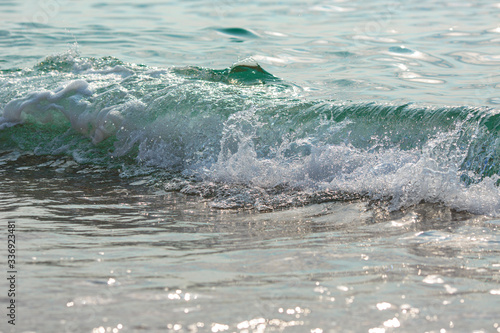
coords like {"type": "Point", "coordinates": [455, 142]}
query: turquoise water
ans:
{"type": "Point", "coordinates": [425, 52]}
{"type": "Point", "coordinates": [210, 166]}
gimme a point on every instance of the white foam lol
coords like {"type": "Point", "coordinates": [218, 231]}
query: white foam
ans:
{"type": "Point", "coordinates": [40, 102]}
{"type": "Point", "coordinates": [69, 101]}
{"type": "Point", "coordinates": [405, 177]}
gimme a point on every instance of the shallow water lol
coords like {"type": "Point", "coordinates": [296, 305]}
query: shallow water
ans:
{"type": "Point", "coordinates": [100, 253]}
{"type": "Point", "coordinates": [210, 166]}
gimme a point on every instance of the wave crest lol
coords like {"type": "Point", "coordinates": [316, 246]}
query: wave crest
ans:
{"type": "Point", "coordinates": [246, 138]}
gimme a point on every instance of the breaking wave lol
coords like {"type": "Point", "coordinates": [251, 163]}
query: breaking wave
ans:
{"type": "Point", "coordinates": [245, 138]}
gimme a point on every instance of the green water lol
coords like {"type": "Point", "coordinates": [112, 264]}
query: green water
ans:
{"type": "Point", "coordinates": [344, 180]}
{"type": "Point", "coordinates": [428, 52]}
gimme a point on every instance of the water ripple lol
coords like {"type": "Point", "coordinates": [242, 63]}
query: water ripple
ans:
{"type": "Point", "coordinates": [476, 58]}
{"type": "Point", "coordinates": [403, 52]}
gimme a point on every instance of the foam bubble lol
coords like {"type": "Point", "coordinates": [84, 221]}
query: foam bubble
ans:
{"type": "Point", "coordinates": [40, 103]}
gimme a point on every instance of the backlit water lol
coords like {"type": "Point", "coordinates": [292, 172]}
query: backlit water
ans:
{"type": "Point", "coordinates": [212, 166]}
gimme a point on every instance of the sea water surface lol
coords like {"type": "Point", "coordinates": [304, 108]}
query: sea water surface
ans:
{"type": "Point", "coordinates": [217, 166]}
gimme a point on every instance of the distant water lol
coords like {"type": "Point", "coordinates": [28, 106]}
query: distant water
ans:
{"type": "Point", "coordinates": [210, 166]}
